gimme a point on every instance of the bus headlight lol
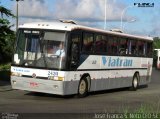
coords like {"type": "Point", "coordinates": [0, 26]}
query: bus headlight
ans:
{"type": "Point", "coordinates": [16, 74]}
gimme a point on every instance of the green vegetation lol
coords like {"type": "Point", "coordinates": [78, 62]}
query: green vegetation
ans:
{"type": "Point", "coordinates": [145, 109]}
{"type": "Point", "coordinates": [5, 66]}
{"type": "Point", "coordinates": [143, 112]}
{"type": "Point", "coordinates": [156, 43]}
{"type": "Point", "coordinates": [7, 36]}
{"type": "Point", "coordinates": [5, 72]}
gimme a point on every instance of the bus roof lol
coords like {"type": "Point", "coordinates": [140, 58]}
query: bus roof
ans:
{"type": "Point", "coordinates": [66, 26]}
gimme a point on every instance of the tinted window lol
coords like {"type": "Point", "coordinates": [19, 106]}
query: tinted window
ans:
{"type": "Point", "coordinates": [100, 44]}
{"type": "Point", "coordinates": [132, 47]}
{"type": "Point", "coordinates": [140, 48]}
{"type": "Point", "coordinates": [123, 46]}
{"type": "Point", "coordinates": [87, 42]}
{"type": "Point", "coordinates": [112, 45]}
{"type": "Point", "coordinates": [149, 49]}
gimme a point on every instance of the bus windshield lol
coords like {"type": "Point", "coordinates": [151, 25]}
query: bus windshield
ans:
{"type": "Point", "coordinates": [40, 48]}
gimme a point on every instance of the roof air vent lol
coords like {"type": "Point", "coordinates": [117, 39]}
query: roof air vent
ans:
{"type": "Point", "coordinates": [116, 30]}
{"type": "Point", "coordinates": [68, 21]}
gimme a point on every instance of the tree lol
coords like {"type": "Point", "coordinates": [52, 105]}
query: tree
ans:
{"type": "Point", "coordinates": [156, 43]}
{"type": "Point", "coordinates": [7, 36]}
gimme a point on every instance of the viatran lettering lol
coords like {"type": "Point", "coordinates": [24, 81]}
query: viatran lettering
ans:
{"type": "Point", "coordinates": [116, 62]}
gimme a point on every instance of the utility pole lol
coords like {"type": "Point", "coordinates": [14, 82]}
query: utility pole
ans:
{"type": "Point", "coordinates": [17, 14]}
{"type": "Point", "coordinates": [17, 17]}
{"type": "Point", "coordinates": [105, 14]}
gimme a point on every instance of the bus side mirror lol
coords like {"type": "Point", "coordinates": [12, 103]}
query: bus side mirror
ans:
{"type": "Point", "coordinates": [75, 55]}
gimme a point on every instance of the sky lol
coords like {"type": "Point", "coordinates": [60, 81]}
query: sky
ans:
{"type": "Point", "coordinates": [120, 14]}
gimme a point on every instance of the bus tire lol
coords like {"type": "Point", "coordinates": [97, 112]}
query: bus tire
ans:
{"type": "Point", "coordinates": [83, 87]}
{"type": "Point", "coordinates": [135, 82]}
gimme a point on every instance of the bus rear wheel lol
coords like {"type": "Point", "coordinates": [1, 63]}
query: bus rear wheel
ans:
{"type": "Point", "coordinates": [83, 87]}
{"type": "Point", "coordinates": [135, 82]}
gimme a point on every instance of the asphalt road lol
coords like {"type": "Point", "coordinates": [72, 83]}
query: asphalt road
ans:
{"type": "Point", "coordinates": [145, 99]}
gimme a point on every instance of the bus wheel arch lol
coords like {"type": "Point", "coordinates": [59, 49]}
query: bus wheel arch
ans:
{"type": "Point", "coordinates": [84, 85]}
{"type": "Point", "coordinates": [135, 81]}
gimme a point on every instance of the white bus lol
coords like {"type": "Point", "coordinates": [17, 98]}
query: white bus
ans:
{"type": "Point", "coordinates": [157, 58]}
{"type": "Point", "coordinates": [93, 59]}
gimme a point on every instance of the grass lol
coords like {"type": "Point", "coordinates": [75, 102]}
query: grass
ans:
{"type": "Point", "coordinates": [5, 71]}
{"type": "Point", "coordinates": [144, 109]}
{"type": "Point", "coordinates": [143, 112]}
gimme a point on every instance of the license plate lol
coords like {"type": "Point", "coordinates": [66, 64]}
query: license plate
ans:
{"type": "Point", "coordinates": [33, 84]}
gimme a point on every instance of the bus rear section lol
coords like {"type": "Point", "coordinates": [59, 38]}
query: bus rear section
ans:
{"type": "Point", "coordinates": [157, 58]}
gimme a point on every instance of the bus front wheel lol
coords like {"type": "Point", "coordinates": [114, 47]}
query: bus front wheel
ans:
{"type": "Point", "coordinates": [83, 87]}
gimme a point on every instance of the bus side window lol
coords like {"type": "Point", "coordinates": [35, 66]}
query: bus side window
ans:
{"type": "Point", "coordinates": [129, 47]}
{"type": "Point", "coordinates": [140, 47]}
{"type": "Point", "coordinates": [112, 45]}
{"type": "Point", "coordinates": [149, 49]}
{"type": "Point", "coordinates": [134, 50]}
{"type": "Point", "coordinates": [87, 42]}
{"type": "Point", "coordinates": [145, 49]}
{"type": "Point", "coordinates": [109, 45]}
{"type": "Point", "coordinates": [123, 47]}
{"type": "Point", "coordinates": [100, 44]}
{"type": "Point", "coordinates": [75, 50]}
